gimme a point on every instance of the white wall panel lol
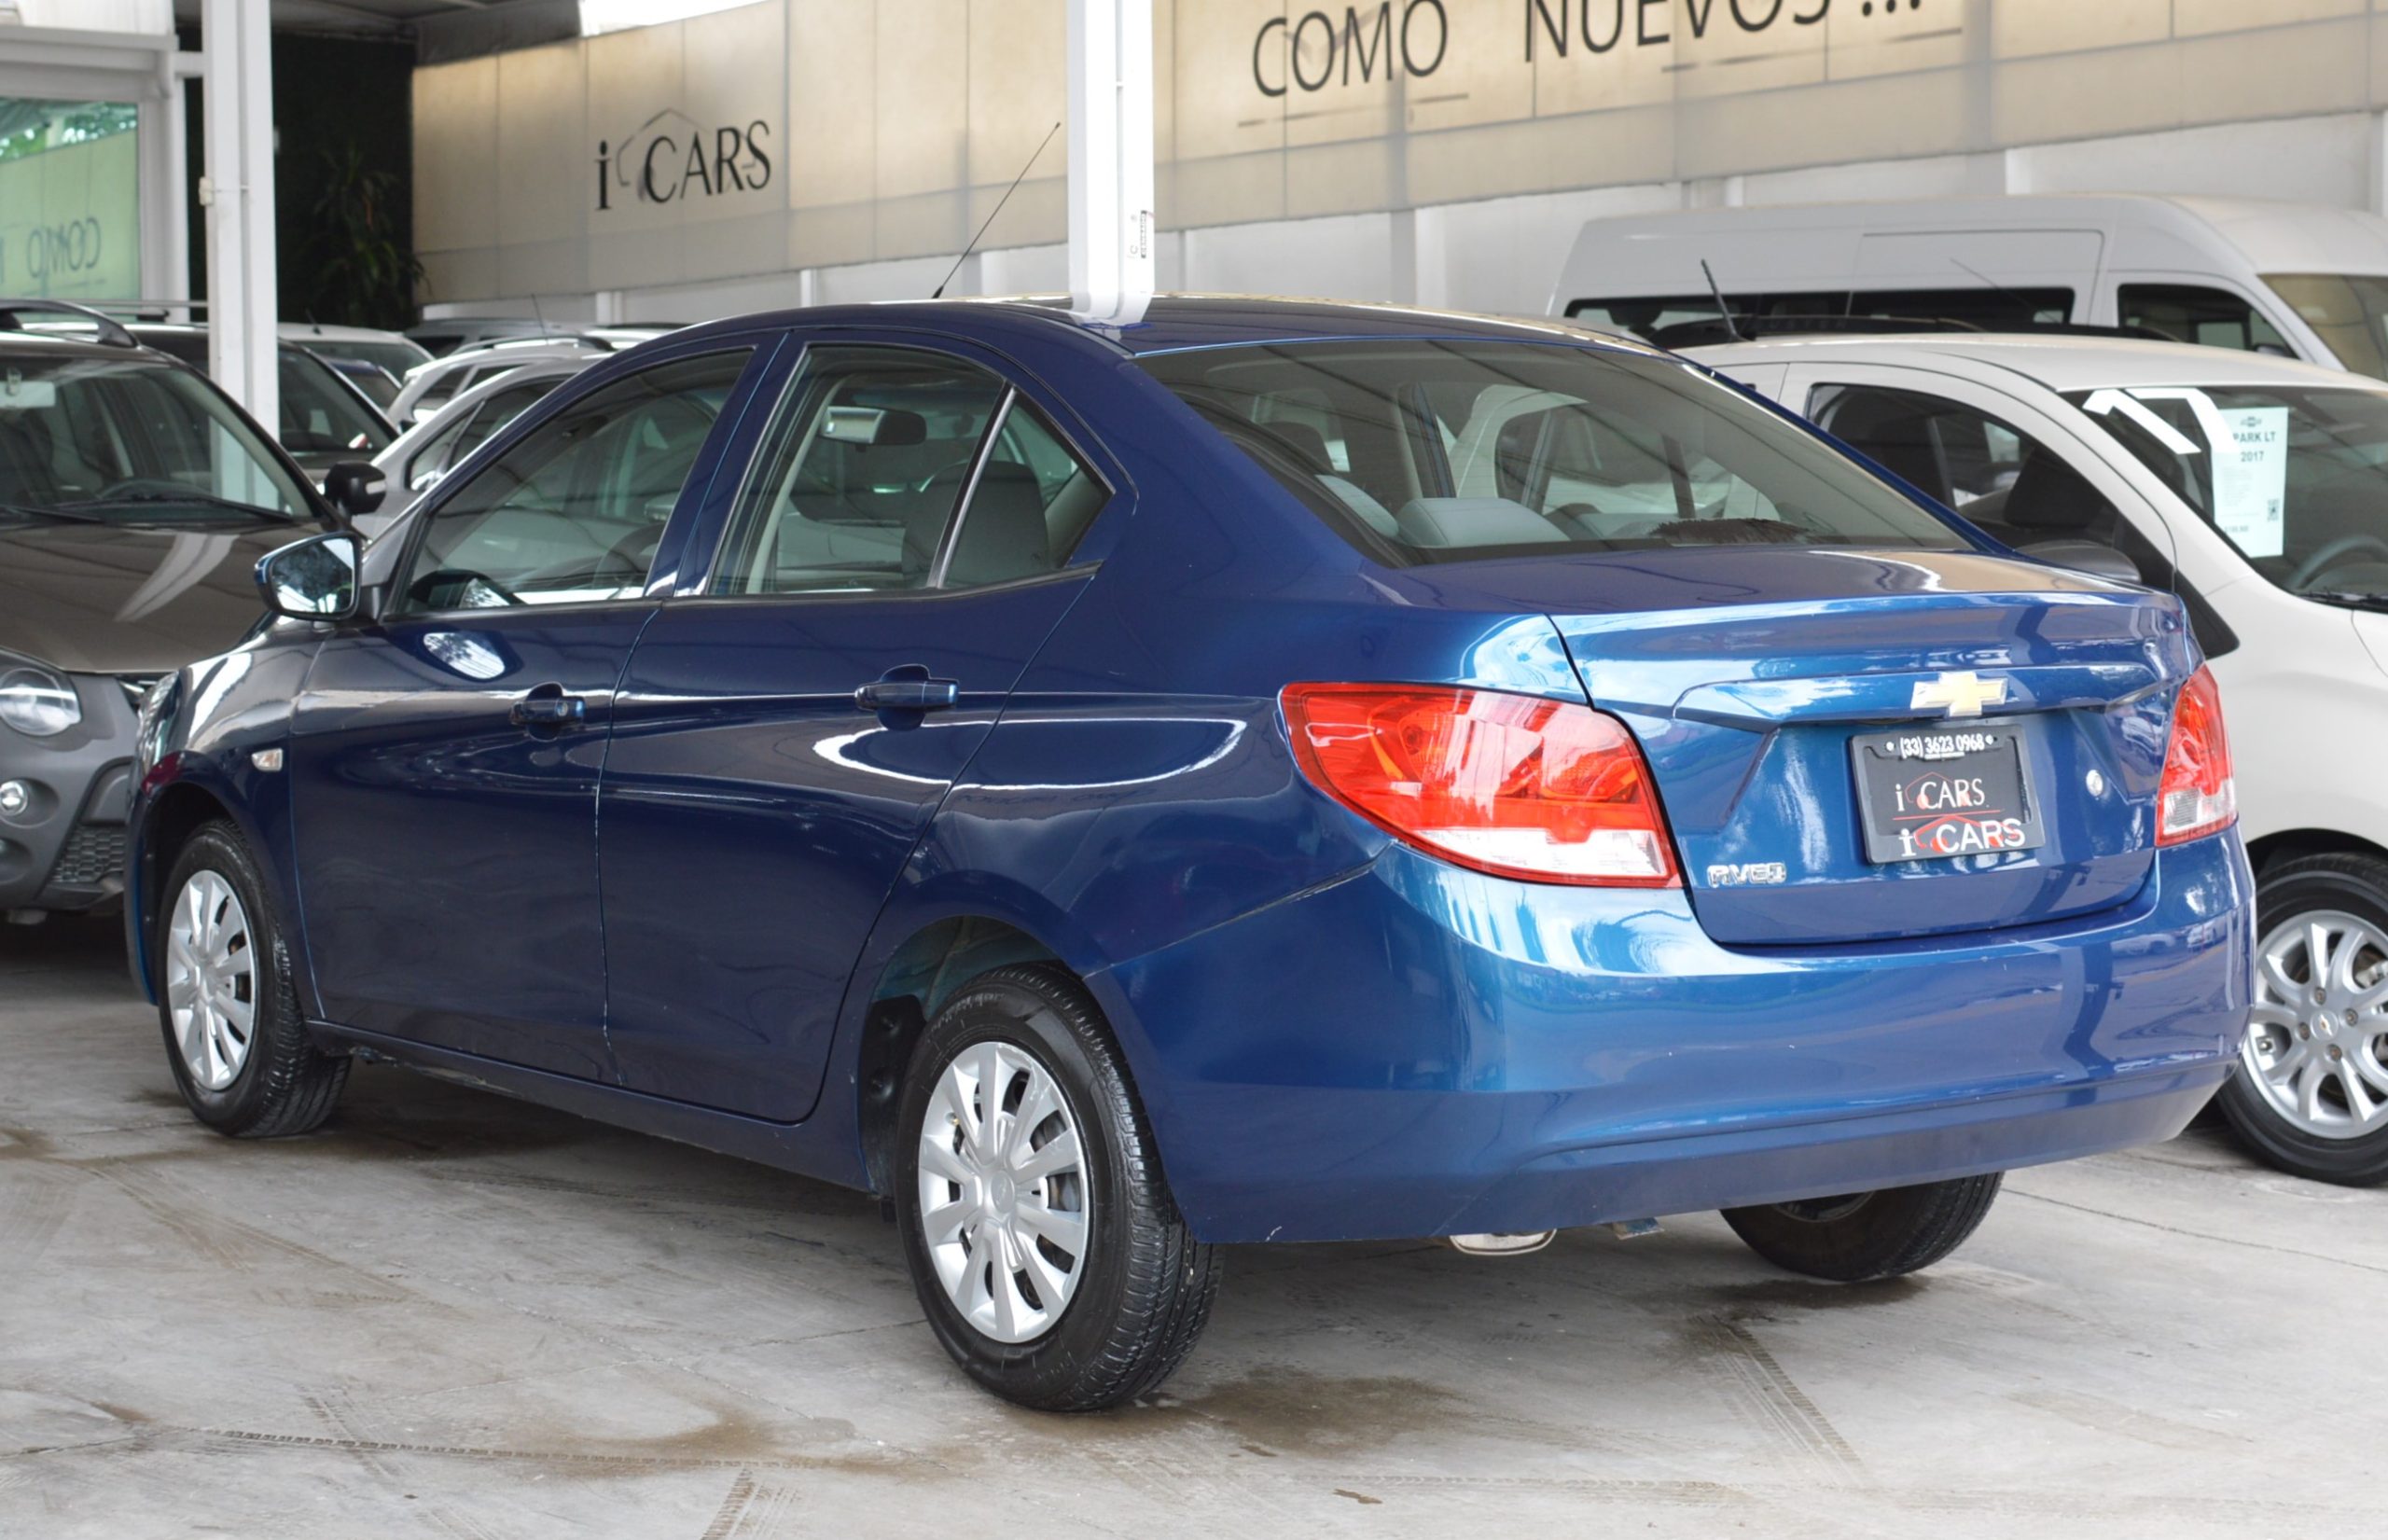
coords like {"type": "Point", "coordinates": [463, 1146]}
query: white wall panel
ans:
{"type": "Point", "coordinates": [1302, 157]}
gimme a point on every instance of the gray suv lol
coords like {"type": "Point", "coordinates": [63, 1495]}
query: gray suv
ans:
{"type": "Point", "coordinates": [135, 500]}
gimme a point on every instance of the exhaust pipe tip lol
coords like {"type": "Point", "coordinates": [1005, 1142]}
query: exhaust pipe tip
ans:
{"type": "Point", "coordinates": [1513, 1245]}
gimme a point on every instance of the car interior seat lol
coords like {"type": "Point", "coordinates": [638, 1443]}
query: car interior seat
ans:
{"type": "Point", "coordinates": [1003, 532]}
{"type": "Point", "coordinates": [1896, 434]}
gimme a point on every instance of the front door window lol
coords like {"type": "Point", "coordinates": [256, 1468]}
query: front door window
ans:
{"type": "Point", "coordinates": [573, 512]}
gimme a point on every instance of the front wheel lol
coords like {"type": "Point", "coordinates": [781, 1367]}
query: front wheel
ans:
{"type": "Point", "coordinates": [1046, 1250]}
{"type": "Point", "coordinates": [2311, 1093]}
{"type": "Point", "coordinates": [235, 1037]}
{"type": "Point", "coordinates": [1861, 1235]}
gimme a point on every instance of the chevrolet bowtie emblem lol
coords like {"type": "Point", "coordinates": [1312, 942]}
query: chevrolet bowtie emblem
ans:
{"type": "Point", "coordinates": [1964, 693]}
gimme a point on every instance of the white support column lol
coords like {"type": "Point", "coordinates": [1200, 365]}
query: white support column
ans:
{"type": "Point", "coordinates": [240, 266]}
{"type": "Point", "coordinates": [1111, 157]}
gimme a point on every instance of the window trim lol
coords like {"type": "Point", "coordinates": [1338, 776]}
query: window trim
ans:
{"type": "Point", "coordinates": [951, 535]}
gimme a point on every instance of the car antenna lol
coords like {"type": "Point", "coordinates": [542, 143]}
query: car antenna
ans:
{"type": "Point", "coordinates": [538, 316]}
{"type": "Point", "coordinates": [1981, 276]}
{"type": "Point", "coordinates": [938, 292]}
{"type": "Point", "coordinates": [1722, 309]}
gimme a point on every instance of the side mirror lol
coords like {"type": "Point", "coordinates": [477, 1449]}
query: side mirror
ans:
{"type": "Point", "coordinates": [355, 487]}
{"type": "Point", "coordinates": [313, 580]}
{"type": "Point", "coordinates": [2089, 556]}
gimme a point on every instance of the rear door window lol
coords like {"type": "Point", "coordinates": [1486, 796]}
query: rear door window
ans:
{"type": "Point", "coordinates": [860, 474]}
{"type": "Point", "coordinates": [862, 482]}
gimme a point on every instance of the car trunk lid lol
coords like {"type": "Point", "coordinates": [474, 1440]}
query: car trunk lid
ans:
{"type": "Point", "coordinates": [1747, 692]}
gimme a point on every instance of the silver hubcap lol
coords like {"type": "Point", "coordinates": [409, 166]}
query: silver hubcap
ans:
{"type": "Point", "coordinates": [1005, 1203]}
{"type": "Point", "coordinates": [2316, 1039]}
{"type": "Point", "coordinates": [211, 980]}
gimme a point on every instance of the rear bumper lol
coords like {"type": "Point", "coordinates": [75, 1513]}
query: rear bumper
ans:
{"type": "Point", "coordinates": [1418, 1051]}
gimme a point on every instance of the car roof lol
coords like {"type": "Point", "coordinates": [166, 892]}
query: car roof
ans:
{"type": "Point", "coordinates": [187, 343]}
{"type": "Point", "coordinates": [2061, 363]}
{"type": "Point", "coordinates": [413, 433]}
{"type": "Point", "coordinates": [1174, 323]}
{"type": "Point", "coordinates": [512, 347]}
{"type": "Point", "coordinates": [59, 344]}
{"type": "Point", "coordinates": [301, 330]}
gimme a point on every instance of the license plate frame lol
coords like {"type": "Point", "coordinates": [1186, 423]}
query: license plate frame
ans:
{"type": "Point", "coordinates": [1943, 793]}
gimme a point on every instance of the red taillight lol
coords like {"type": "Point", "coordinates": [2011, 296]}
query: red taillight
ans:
{"type": "Point", "coordinates": [2196, 795]}
{"type": "Point", "coordinates": [1506, 783]}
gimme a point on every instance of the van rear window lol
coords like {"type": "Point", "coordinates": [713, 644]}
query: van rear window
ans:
{"type": "Point", "coordinates": [1991, 308]}
{"type": "Point", "coordinates": [1421, 451]}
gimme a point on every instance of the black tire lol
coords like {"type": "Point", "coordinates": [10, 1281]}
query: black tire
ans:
{"type": "Point", "coordinates": [1861, 1236]}
{"type": "Point", "coordinates": [1144, 1286]}
{"type": "Point", "coordinates": [285, 1085]}
{"type": "Point", "coordinates": [2351, 884]}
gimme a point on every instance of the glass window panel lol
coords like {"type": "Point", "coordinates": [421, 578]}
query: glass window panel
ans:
{"type": "Point", "coordinates": [859, 474]}
{"type": "Point", "coordinates": [573, 513]}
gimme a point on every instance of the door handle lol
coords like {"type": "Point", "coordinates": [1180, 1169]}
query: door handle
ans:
{"type": "Point", "coordinates": [907, 690]}
{"type": "Point", "coordinates": [548, 707]}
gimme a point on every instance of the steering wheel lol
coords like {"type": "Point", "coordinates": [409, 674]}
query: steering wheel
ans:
{"type": "Point", "coordinates": [2327, 557]}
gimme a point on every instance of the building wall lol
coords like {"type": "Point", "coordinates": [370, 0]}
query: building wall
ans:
{"type": "Point", "coordinates": [851, 147]}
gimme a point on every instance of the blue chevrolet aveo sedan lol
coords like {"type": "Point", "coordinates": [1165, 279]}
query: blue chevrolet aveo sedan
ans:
{"type": "Point", "coordinates": [1271, 771]}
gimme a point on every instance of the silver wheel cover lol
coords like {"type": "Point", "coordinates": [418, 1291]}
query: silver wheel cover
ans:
{"type": "Point", "coordinates": [1005, 1201]}
{"type": "Point", "coordinates": [2316, 1048]}
{"type": "Point", "coordinates": [211, 980]}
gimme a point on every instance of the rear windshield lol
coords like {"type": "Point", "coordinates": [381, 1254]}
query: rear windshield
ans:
{"type": "Point", "coordinates": [320, 415]}
{"type": "Point", "coordinates": [1423, 451]}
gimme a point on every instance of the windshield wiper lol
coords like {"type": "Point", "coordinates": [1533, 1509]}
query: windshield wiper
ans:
{"type": "Point", "coordinates": [2348, 598]}
{"type": "Point", "coordinates": [174, 499]}
{"type": "Point", "coordinates": [63, 515]}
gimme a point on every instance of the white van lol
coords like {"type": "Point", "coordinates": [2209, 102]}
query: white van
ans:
{"type": "Point", "coordinates": [2293, 279]}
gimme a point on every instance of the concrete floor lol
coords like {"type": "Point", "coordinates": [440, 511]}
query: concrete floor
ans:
{"type": "Point", "coordinates": [450, 1315]}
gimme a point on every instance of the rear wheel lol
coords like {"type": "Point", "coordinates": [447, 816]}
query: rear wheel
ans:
{"type": "Point", "coordinates": [235, 1038]}
{"type": "Point", "coordinates": [1046, 1253]}
{"type": "Point", "coordinates": [2311, 1093]}
{"type": "Point", "coordinates": [1861, 1235]}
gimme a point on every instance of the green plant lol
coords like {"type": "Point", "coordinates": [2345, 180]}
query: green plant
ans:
{"type": "Point", "coordinates": [362, 271]}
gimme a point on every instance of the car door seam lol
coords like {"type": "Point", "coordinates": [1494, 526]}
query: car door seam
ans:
{"type": "Point", "coordinates": [597, 850]}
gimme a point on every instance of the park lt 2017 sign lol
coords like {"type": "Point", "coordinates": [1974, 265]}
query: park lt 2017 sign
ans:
{"type": "Point", "coordinates": [670, 157]}
{"type": "Point", "coordinates": [1319, 48]}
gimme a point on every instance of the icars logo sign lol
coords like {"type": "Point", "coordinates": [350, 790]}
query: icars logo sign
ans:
{"type": "Point", "coordinates": [672, 157]}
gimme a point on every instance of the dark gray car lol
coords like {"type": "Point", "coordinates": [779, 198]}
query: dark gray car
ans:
{"type": "Point", "coordinates": [135, 500]}
{"type": "Point", "coordinates": [326, 418]}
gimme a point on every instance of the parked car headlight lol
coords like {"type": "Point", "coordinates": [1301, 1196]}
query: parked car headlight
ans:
{"type": "Point", "coordinates": [35, 702]}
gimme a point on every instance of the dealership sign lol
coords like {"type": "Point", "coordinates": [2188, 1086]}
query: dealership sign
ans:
{"type": "Point", "coordinates": [1309, 50]}
{"type": "Point", "coordinates": [671, 157]}
{"type": "Point", "coordinates": [1299, 57]}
